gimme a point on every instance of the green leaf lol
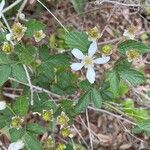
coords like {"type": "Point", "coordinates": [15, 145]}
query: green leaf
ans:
{"type": "Point", "coordinates": [18, 73]}
{"type": "Point", "coordinates": [65, 83]}
{"type": "Point", "coordinates": [21, 106]}
{"type": "Point", "coordinates": [138, 114]}
{"type": "Point", "coordinates": [44, 52]}
{"type": "Point", "coordinates": [132, 76]}
{"type": "Point", "coordinates": [77, 40]}
{"type": "Point", "coordinates": [92, 95]}
{"type": "Point", "coordinates": [84, 85]}
{"type": "Point", "coordinates": [42, 101]}
{"type": "Point", "coordinates": [15, 134]}
{"type": "Point", "coordinates": [35, 128]}
{"type": "Point", "coordinates": [131, 44]}
{"type": "Point", "coordinates": [25, 54]}
{"type": "Point", "coordinates": [114, 80]}
{"type": "Point", "coordinates": [2, 36]}
{"type": "Point", "coordinates": [59, 60]}
{"type": "Point", "coordinates": [68, 107]}
{"type": "Point", "coordinates": [128, 74]}
{"type": "Point", "coordinates": [83, 102]}
{"type": "Point", "coordinates": [4, 120]}
{"type": "Point", "coordinates": [4, 58]}
{"type": "Point", "coordinates": [32, 143]}
{"type": "Point", "coordinates": [96, 98]}
{"type": "Point", "coordinates": [33, 26]}
{"type": "Point", "coordinates": [47, 70]}
{"type": "Point", "coordinates": [78, 5]}
{"type": "Point", "coordinates": [5, 71]}
{"type": "Point", "coordinates": [143, 127]}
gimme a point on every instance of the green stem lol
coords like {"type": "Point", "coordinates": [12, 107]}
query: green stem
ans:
{"type": "Point", "coordinates": [11, 109]}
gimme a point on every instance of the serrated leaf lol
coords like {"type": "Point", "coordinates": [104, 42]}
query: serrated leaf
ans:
{"type": "Point", "coordinates": [77, 40]}
{"type": "Point", "coordinates": [15, 134]}
{"type": "Point", "coordinates": [21, 105]}
{"type": "Point", "coordinates": [132, 76]}
{"type": "Point", "coordinates": [114, 81]}
{"type": "Point", "coordinates": [33, 26]}
{"type": "Point", "coordinates": [25, 53]}
{"type": "Point", "coordinates": [83, 102]}
{"type": "Point", "coordinates": [68, 107]}
{"type": "Point", "coordinates": [32, 143]}
{"type": "Point", "coordinates": [18, 73]}
{"type": "Point", "coordinates": [4, 120]}
{"type": "Point", "coordinates": [84, 85]}
{"type": "Point", "coordinates": [4, 58]}
{"type": "Point", "coordinates": [132, 44]}
{"type": "Point", "coordinates": [2, 36]}
{"type": "Point", "coordinates": [42, 101]}
{"type": "Point", "coordinates": [35, 128]}
{"type": "Point", "coordinates": [96, 98]}
{"type": "Point", "coordinates": [44, 52]}
{"type": "Point", "coordinates": [93, 96]}
{"type": "Point", "coordinates": [143, 127]}
{"type": "Point", "coordinates": [78, 5]}
{"type": "Point", "coordinates": [46, 69]}
{"type": "Point", "coordinates": [65, 83]}
{"type": "Point", "coordinates": [59, 60]}
{"type": "Point", "coordinates": [5, 71]}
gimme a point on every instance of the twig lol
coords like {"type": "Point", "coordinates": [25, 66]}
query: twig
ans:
{"type": "Point", "coordinates": [53, 16]}
{"type": "Point", "coordinates": [12, 96]}
{"type": "Point", "coordinates": [81, 137]}
{"type": "Point", "coordinates": [6, 23]}
{"type": "Point", "coordinates": [29, 81]}
{"type": "Point", "coordinates": [37, 88]}
{"type": "Point", "coordinates": [11, 6]}
{"type": "Point", "coordinates": [83, 123]}
{"type": "Point", "coordinates": [127, 131]}
{"type": "Point", "coordinates": [108, 20]}
{"type": "Point", "coordinates": [89, 129]}
{"type": "Point", "coordinates": [109, 113]}
{"type": "Point", "coordinates": [99, 2]}
{"type": "Point", "coordinates": [21, 8]}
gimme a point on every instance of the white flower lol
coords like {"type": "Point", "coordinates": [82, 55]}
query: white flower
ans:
{"type": "Point", "coordinates": [88, 61]}
{"type": "Point", "coordinates": [2, 4]}
{"type": "Point", "coordinates": [16, 145]}
{"type": "Point", "coordinates": [130, 32]}
{"type": "Point", "coordinates": [39, 35]}
{"type": "Point", "coordinates": [128, 35]}
{"type": "Point", "coordinates": [2, 105]}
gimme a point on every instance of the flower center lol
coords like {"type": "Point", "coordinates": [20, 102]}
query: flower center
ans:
{"type": "Point", "coordinates": [38, 34]}
{"type": "Point", "coordinates": [131, 30]}
{"type": "Point", "coordinates": [132, 55]}
{"type": "Point", "coordinates": [88, 61]}
{"type": "Point", "coordinates": [93, 32]}
{"type": "Point", "coordinates": [106, 50]}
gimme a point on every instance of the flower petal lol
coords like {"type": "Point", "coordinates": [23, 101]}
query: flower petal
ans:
{"type": "Point", "coordinates": [2, 105]}
{"type": "Point", "coordinates": [90, 75]}
{"type": "Point", "coordinates": [16, 145]}
{"type": "Point", "coordinates": [102, 60]}
{"type": "Point", "coordinates": [77, 53]}
{"type": "Point", "coordinates": [92, 49]}
{"type": "Point", "coordinates": [9, 36]}
{"type": "Point", "coordinates": [2, 4]}
{"type": "Point", "coordinates": [76, 66]}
